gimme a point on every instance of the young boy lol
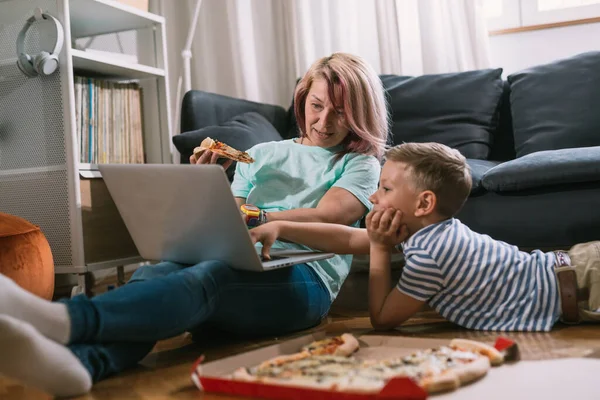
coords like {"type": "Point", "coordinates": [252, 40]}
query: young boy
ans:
{"type": "Point", "coordinates": [470, 279]}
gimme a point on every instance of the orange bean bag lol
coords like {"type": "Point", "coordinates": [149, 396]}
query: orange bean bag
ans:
{"type": "Point", "coordinates": [25, 256]}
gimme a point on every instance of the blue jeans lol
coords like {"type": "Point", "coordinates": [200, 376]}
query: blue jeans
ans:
{"type": "Point", "coordinates": [115, 330]}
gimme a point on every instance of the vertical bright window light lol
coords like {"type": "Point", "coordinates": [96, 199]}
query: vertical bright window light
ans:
{"type": "Point", "coordinates": [493, 8]}
{"type": "Point", "coordinates": [535, 12]}
{"type": "Point", "coordinates": [502, 14]}
{"type": "Point", "coordinates": [547, 5]}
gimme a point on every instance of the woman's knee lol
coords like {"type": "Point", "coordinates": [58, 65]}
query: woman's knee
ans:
{"type": "Point", "coordinates": [146, 272]}
{"type": "Point", "coordinates": [211, 274]}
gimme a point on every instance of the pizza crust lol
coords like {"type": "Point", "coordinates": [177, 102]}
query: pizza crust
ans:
{"type": "Point", "coordinates": [472, 371]}
{"type": "Point", "coordinates": [349, 346]}
{"type": "Point", "coordinates": [242, 374]}
{"type": "Point", "coordinates": [344, 346]}
{"type": "Point", "coordinates": [444, 382]}
{"type": "Point", "coordinates": [495, 357]}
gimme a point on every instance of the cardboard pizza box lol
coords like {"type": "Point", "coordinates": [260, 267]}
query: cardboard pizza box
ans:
{"type": "Point", "coordinates": [566, 378]}
{"type": "Point", "coordinates": [212, 376]}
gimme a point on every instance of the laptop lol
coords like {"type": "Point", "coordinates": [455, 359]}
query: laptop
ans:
{"type": "Point", "coordinates": [188, 214]}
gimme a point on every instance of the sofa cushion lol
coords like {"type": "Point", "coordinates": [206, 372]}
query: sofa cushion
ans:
{"type": "Point", "coordinates": [478, 170]}
{"type": "Point", "coordinates": [200, 109]}
{"type": "Point", "coordinates": [547, 218]}
{"type": "Point", "coordinates": [457, 109]}
{"type": "Point", "coordinates": [545, 168]}
{"type": "Point", "coordinates": [241, 132]}
{"type": "Point", "coordinates": [554, 105]}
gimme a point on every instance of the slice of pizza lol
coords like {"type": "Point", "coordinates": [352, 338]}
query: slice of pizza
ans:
{"type": "Point", "coordinates": [320, 364]}
{"type": "Point", "coordinates": [302, 370]}
{"type": "Point", "coordinates": [439, 369]}
{"type": "Point", "coordinates": [495, 356]}
{"type": "Point", "coordinates": [342, 345]}
{"type": "Point", "coordinates": [223, 150]}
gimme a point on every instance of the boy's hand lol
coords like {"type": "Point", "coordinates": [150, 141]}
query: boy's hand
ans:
{"type": "Point", "coordinates": [385, 228]}
{"type": "Point", "coordinates": [266, 234]}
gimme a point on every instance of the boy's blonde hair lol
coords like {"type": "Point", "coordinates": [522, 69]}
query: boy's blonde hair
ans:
{"type": "Point", "coordinates": [360, 91]}
{"type": "Point", "coordinates": [436, 167]}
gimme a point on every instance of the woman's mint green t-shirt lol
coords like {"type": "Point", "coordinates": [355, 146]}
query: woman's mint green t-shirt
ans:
{"type": "Point", "coordinates": [287, 175]}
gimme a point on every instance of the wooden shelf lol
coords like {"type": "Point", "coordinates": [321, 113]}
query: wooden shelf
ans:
{"type": "Point", "coordinates": [98, 17]}
{"type": "Point", "coordinates": [112, 67]}
{"type": "Point", "coordinates": [88, 167]}
{"type": "Point", "coordinates": [89, 171]}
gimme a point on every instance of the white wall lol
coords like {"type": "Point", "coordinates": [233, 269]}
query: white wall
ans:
{"type": "Point", "coordinates": [517, 51]}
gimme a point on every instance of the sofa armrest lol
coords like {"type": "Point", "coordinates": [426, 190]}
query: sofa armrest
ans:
{"type": "Point", "coordinates": [545, 168]}
{"type": "Point", "coordinates": [478, 170]}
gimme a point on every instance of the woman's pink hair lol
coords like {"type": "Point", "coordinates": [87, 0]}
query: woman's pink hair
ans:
{"type": "Point", "coordinates": [354, 82]}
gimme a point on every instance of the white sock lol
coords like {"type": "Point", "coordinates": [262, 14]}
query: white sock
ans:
{"type": "Point", "coordinates": [51, 319]}
{"type": "Point", "coordinates": [34, 360]}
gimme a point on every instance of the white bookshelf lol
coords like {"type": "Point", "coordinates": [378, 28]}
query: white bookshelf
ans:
{"type": "Point", "coordinates": [97, 17]}
{"type": "Point", "coordinates": [77, 215]}
{"type": "Point", "coordinates": [103, 64]}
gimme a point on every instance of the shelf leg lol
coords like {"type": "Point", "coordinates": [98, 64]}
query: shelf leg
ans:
{"type": "Point", "coordinates": [85, 283]}
{"type": "Point", "coordinates": [121, 275]}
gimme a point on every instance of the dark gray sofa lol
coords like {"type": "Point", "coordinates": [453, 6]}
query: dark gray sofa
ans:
{"type": "Point", "coordinates": [532, 141]}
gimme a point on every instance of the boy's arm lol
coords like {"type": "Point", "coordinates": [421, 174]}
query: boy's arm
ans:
{"type": "Point", "coordinates": [332, 238]}
{"type": "Point", "coordinates": [387, 309]}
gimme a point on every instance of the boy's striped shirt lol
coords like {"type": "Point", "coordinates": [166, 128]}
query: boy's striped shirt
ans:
{"type": "Point", "coordinates": [478, 282]}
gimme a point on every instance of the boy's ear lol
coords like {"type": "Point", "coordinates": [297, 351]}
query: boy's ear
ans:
{"type": "Point", "coordinates": [426, 203]}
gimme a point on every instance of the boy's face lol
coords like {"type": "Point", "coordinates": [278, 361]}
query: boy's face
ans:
{"type": "Point", "coordinates": [397, 191]}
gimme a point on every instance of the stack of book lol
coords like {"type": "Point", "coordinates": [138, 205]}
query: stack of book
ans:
{"type": "Point", "coordinates": [109, 121]}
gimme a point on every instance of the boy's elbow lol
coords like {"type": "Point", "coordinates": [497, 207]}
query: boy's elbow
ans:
{"type": "Point", "coordinates": [380, 325]}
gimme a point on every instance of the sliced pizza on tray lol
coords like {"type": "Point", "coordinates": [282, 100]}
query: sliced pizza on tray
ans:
{"type": "Point", "coordinates": [223, 150]}
{"type": "Point", "coordinates": [328, 364]}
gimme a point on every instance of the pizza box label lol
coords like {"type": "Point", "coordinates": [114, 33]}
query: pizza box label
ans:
{"type": "Point", "coordinates": [213, 376]}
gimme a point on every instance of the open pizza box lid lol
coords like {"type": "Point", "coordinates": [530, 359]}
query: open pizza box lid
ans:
{"type": "Point", "coordinates": [213, 376]}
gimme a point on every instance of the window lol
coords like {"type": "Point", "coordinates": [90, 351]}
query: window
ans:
{"type": "Point", "coordinates": [507, 14]}
{"type": "Point", "coordinates": [545, 5]}
{"type": "Point", "coordinates": [502, 14]}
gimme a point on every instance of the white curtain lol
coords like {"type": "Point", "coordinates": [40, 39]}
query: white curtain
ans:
{"type": "Point", "coordinates": [256, 49]}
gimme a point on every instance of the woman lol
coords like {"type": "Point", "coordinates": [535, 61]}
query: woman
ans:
{"type": "Point", "coordinates": [324, 175]}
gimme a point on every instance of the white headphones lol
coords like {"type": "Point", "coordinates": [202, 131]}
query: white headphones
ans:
{"type": "Point", "coordinates": [43, 63]}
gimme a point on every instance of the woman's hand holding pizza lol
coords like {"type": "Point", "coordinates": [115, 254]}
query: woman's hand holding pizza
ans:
{"type": "Point", "coordinates": [385, 228]}
{"type": "Point", "coordinates": [208, 157]}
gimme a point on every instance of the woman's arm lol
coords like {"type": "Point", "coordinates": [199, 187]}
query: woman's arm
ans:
{"type": "Point", "coordinates": [240, 201]}
{"type": "Point", "coordinates": [331, 238]}
{"type": "Point", "coordinates": [338, 206]}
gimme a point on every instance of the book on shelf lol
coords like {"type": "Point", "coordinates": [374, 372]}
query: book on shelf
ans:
{"type": "Point", "coordinates": [109, 121]}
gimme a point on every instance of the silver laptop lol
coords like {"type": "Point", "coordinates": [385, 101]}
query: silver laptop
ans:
{"type": "Point", "coordinates": [187, 214]}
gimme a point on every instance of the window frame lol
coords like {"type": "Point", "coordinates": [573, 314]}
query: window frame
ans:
{"type": "Point", "coordinates": [531, 15]}
{"type": "Point", "coordinates": [524, 15]}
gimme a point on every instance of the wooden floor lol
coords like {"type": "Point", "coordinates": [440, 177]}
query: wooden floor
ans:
{"type": "Point", "coordinates": [165, 374]}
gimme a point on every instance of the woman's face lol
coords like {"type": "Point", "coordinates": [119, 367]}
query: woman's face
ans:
{"type": "Point", "coordinates": [325, 125]}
